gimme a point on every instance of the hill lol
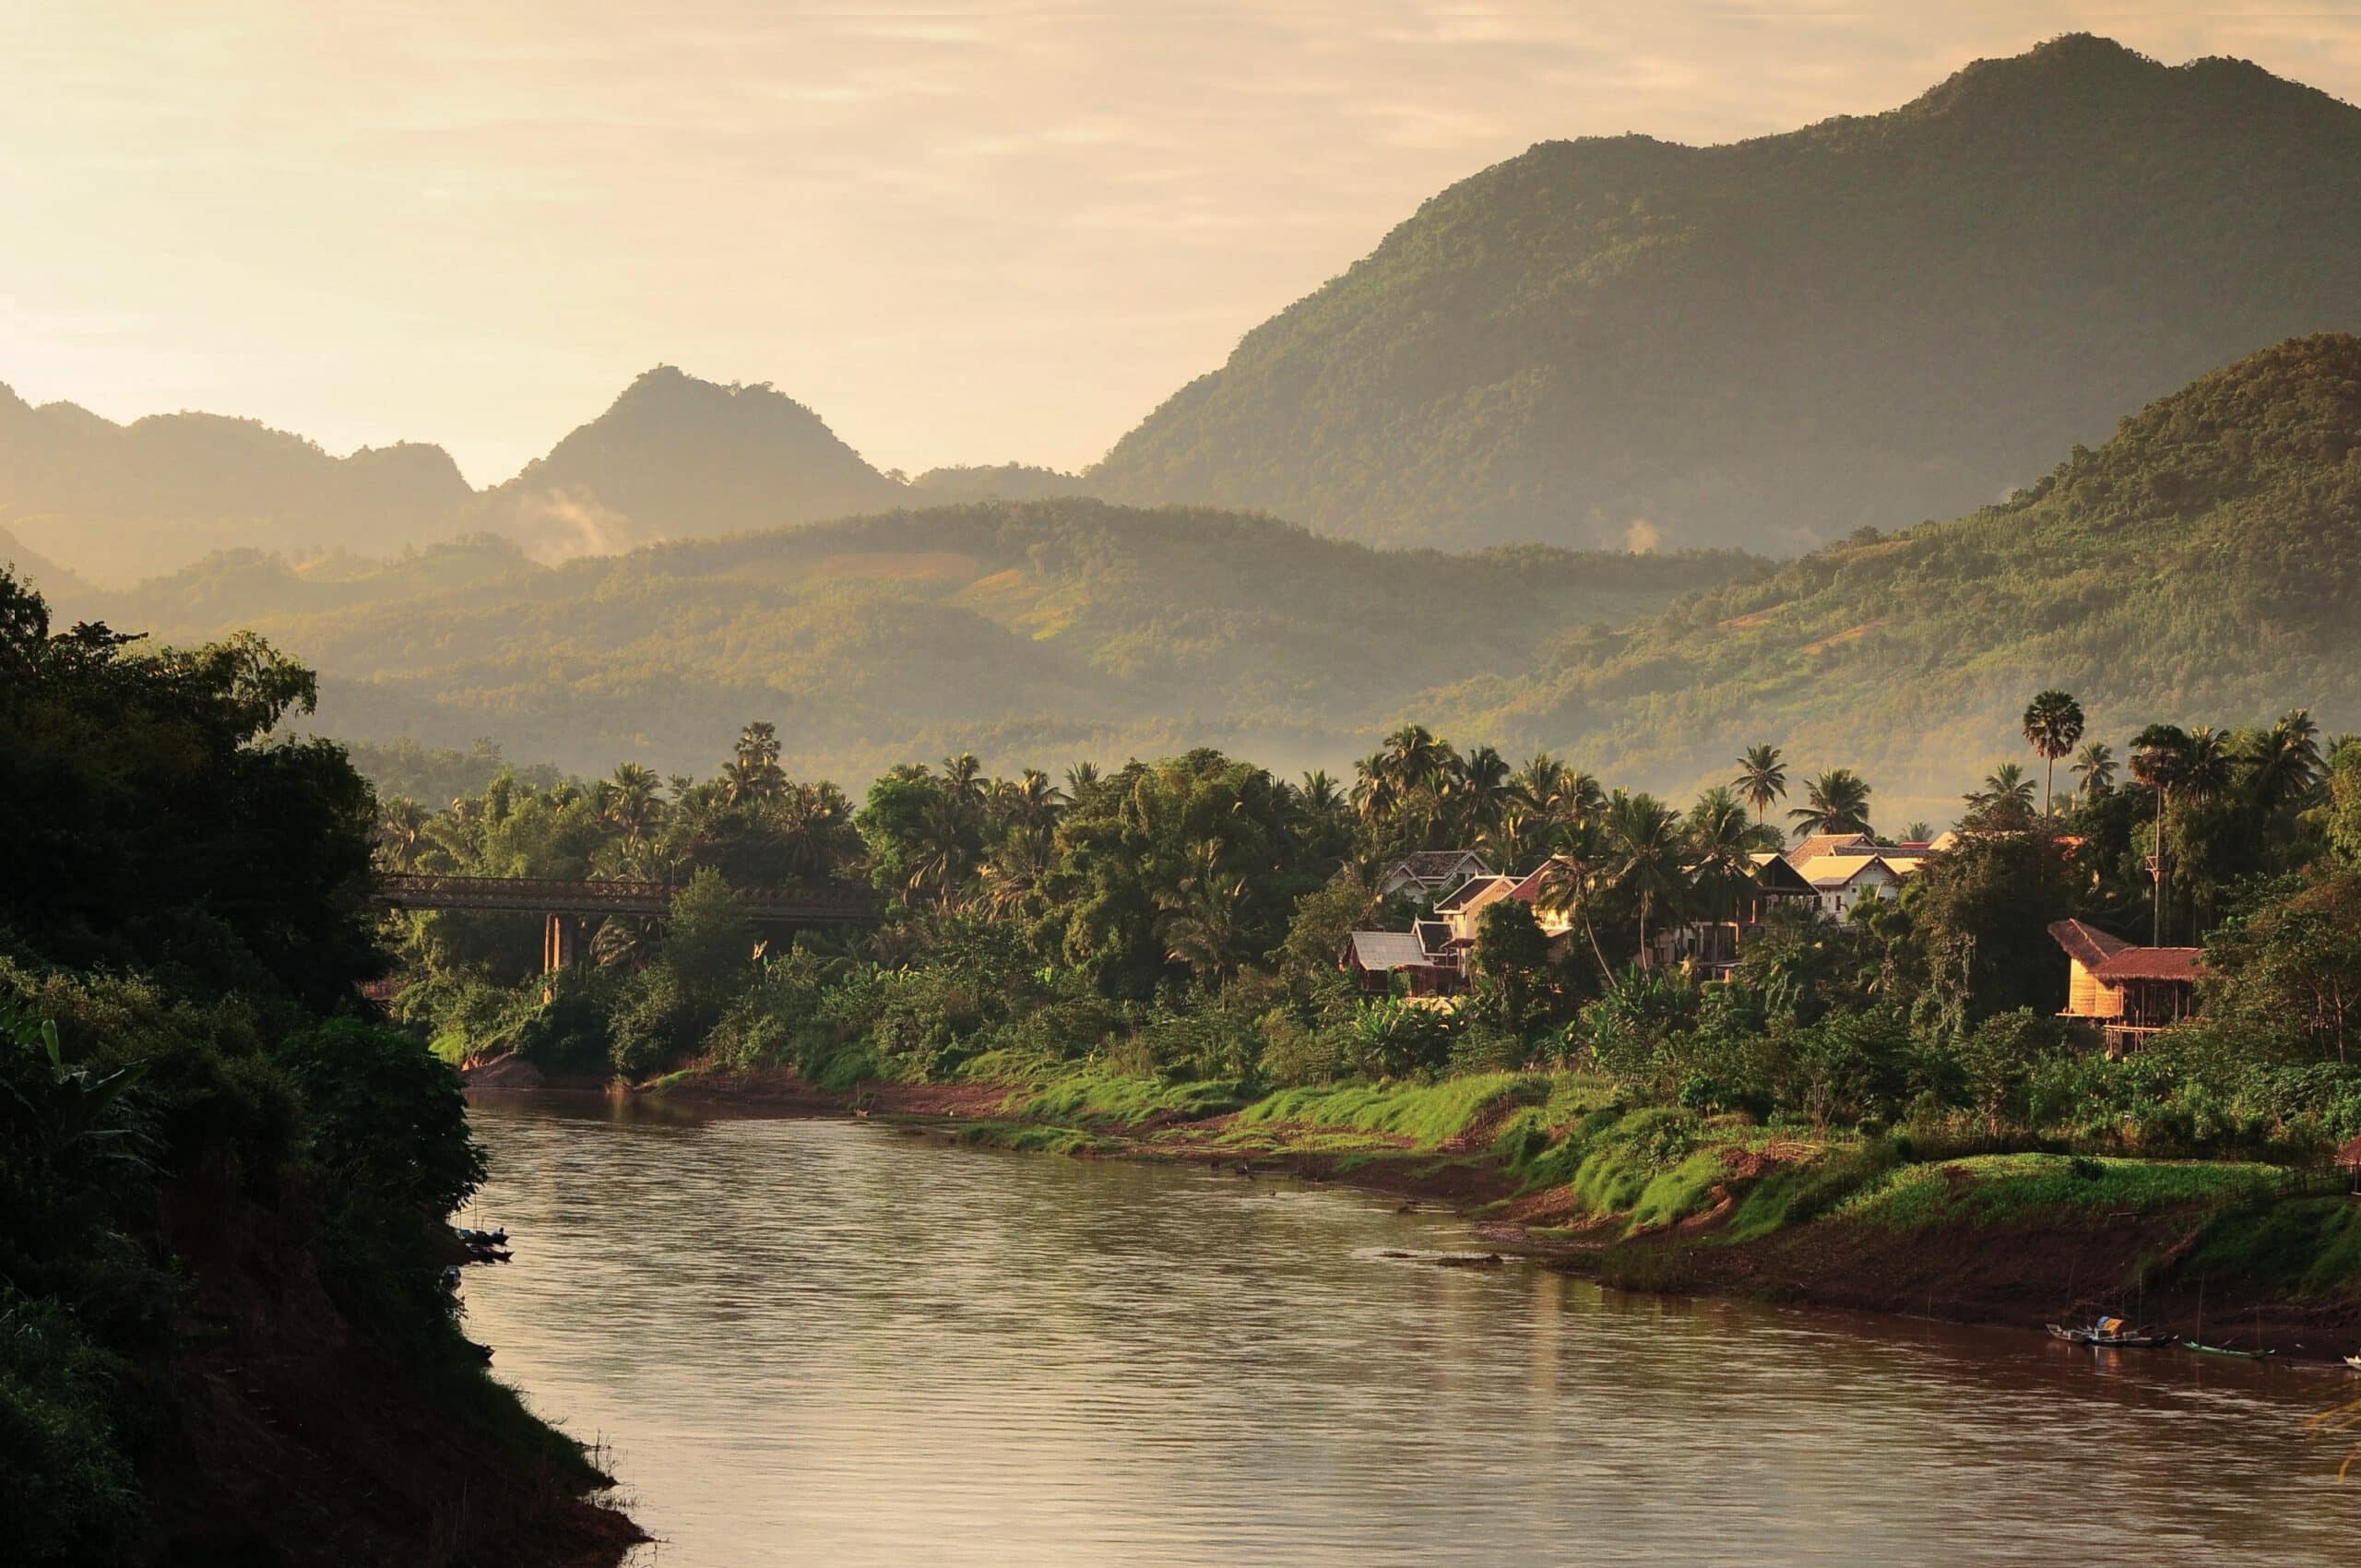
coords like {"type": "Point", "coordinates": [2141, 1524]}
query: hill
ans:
{"type": "Point", "coordinates": [677, 458]}
{"type": "Point", "coordinates": [112, 500]}
{"type": "Point", "coordinates": [1032, 632]}
{"type": "Point", "coordinates": [1768, 344]}
{"type": "Point", "coordinates": [2202, 566]}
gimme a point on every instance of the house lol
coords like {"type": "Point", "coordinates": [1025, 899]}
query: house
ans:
{"type": "Point", "coordinates": [1428, 873]}
{"type": "Point", "coordinates": [1846, 878]}
{"type": "Point", "coordinates": [2126, 990]}
{"type": "Point", "coordinates": [1713, 945]}
{"type": "Point", "coordinates": [1374, 957]}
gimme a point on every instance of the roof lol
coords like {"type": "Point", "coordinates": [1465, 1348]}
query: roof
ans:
{"type": "Point", "coordinates": [1840, 870]}
{"type": "Point", "coordinates": [1466, 891]}
{"type": "Point", "coordinates": [1820, 844]}
{"type": "Point", "coordinates": [1376, 950]}
{"type": "Point", "coordinates": [2086, 944]}
{"type": "Point", "coordinates": [2152, 964]}
{"type": "Point", "coordinates": [1433, 865]}
{"type": "Point", "coordinates": [1434, 937]}
{"type": "Point", "coordinates": [1776, 875]}
{"type": "Point", "coordinates": [2349, 1156]}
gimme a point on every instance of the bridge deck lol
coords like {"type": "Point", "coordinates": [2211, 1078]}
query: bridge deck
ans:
{"type": "Point", "coordinates": [838, 904]}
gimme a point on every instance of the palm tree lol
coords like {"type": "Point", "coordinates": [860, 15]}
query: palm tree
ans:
{"type": "Point", "coordinates": [1761, 778]}
{"type": "Point", "coordinates": [1081, 780]}
{"type": "Point", "coordinates": [1032, 801]}
{"type": "Point", "coordinates": [2053, 726]}
{"type": "Point", "coordinates": [1201, 925]}
{"type": "Point", "coordinates": [1416, 759]}
{"type": "Point", "coordinates": [964, 784]}
{"type": "Point", "coordinates": [1319, 795]}
{"type": "Point", "coordinates": [400, 830]}
{"type": "Point", "coordinates": [629, 801]}
{"type": "Point", "coordinates": [1722, 845]}
{"type": "Point", "coordinates": [1644, 839]}
{"type": "Point", "coordinates": [2007, 794]}
{"type": "Point", "coordinates": [2282, 765]}
{"type": "Point", "coordinates": [2094, 765]}
{"type": "Point", "coordinates": [1012, 876]}
{"type": "Point", "coordinates": [2159, 760]}
{"type": "Point", "coordinates": [1571, 881]}
{"type": "Point", "coordinates": [1836, 802]}
{"type": "Point", "coordinates": [1541, 781]}
{"type": "Point", "coordinates": [1919, 832]}
{"type": "Point", "coordinates": [1481, 788]}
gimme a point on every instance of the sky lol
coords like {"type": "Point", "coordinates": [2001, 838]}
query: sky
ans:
{"type": "Point", "coordinates": [963, 233]}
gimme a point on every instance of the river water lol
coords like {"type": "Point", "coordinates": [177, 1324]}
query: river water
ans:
{"type": "Point", "coordinates": [836, 1344]}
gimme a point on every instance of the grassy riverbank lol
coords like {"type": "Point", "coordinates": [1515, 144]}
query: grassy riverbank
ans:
{"type": "Point", "coordinates": [1656, 1197]}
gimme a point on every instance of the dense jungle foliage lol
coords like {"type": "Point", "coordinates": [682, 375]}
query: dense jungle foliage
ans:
{"type": "Point", "coordinates": [1866, 321]}
{"type": "Point", "coordinates": [181, 933]}
{"type": "Point", "coordinates": [1180, 923]}
{"type": "Point", "coordinates": [2205, 560]}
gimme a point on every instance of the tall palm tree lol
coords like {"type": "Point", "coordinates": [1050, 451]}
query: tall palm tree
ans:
{"type": "Point", "coordinates": [1481, 790]}
{"type": "Point", "coordinates": [2160, 760]}
{"type": "Point", "coordinates": [1761, 778]}
{"type": "Point", "coordinates": [1415, 758]}
{"type": "Point", "coordinates": [1645, 841]}
{"type": "Point", "coordinates": [1541, 781]}
{"type": "Point", "coordinates": [1202, 915]}
{"type": "Point", "coordinates": [964, 784]}
{"type": "Point", "coordinates": [2053, 727]}
{"type": "Point", "coordinates": [1032, 801]}
{"type": "Point", "coordinates": [1081, 780]}
{"type": "Point", "coordinates": [1722, 845]}
{"type": "Point", "coordinates": [1319, 795]}
{"type": "Point", "coordinates": [2094, 765]}
{"type": "Point", "coordinates": [1575, 876]}
{"type": "Point", "coordinates": [2282, 765]}
{"type": "Point", "coordinates": [1011, 877]}
{"type": "Point", "coordinates": [1836, 802]}
{"type": "Point", "coordinates": [630, 801]}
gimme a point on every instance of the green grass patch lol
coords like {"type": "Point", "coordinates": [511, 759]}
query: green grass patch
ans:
{"type": "Point", "coordinates": [1428, 1116]}
{"type": "Point", "coordinates": [1673, 1195]}
{"type": "Point", "coordinates": [1123, 1100]}
{"type": "Point", "coordinates": [1032, 1138]}
{"type": "Point", "coordinates": [1997, 1188]}
{"type": "Point", "coordinates": [2306, 1247]}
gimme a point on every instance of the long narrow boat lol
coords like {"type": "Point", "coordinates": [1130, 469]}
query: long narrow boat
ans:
{"type": "Point", "coordinates": [2110, 1336]}
{"type": "Point", "coordinates": [2224, 1351]}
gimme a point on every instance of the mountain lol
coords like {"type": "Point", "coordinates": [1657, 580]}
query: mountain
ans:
{"type": "Point", "coordinates": [1040, 632]}
{"type": "Point", "coordinates": [34, 568]}
{"type": "Point", "coordinates": [1772, 343]}
{"type": "Point", "coordinates": [2203, 566]}
{"type": "Point", "coordinates": [114, 500]}
{"type": "Point", "coordinates": [677, 458]}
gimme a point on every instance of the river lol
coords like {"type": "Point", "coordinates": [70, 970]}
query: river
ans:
{"type": "Point", "coordinates": [836, 1344]}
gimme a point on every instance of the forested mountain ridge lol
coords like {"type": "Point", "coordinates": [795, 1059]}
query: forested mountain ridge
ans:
{"type": "Point", "coordinates": [2205, 564]}
{"type": "Point", "coordinates": [1869, 321]}
{"type": "Point", "coordinates": [111, 500]}
{"type": "Point", "coordinates": [678, 457]}
{"type": "Point", "coordinates": [1023, 631]}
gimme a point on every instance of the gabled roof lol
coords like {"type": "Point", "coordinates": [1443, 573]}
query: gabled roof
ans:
{"type": "Point", "coordinates": [2152, 964]}
{"type": "Point", "coordinates": [1775, 874]}
{"type": "Point", "coordinates": [1434, 938]}
{"type": "Point", "coordinates": [1829, 872]}
{"type": "Point", "coordinates": [1386, 950]}
{"type": "Point", "coordinates": [2086, 944]}
{"type": "Point", "coordinates": [1820, 844]}
{"type": "Point", "coordinates": [1466, 891]}
{"type": "Point", "coordinates": [1433, 865]}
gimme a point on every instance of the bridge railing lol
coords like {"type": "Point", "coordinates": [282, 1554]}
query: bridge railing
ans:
{"type": "Point", "coordinates": [835, 902]}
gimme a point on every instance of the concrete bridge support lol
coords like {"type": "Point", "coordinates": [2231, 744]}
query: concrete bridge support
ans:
{"type": "Point", "coordinates": [561, 943]}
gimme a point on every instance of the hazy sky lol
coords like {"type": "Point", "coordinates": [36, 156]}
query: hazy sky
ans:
{"type": "Point", "coordinates": [963, 232]}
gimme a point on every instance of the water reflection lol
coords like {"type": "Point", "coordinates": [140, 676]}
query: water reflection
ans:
{"type": "Point", "coordinates": [828, 1343]}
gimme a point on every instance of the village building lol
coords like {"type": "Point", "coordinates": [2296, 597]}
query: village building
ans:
{"type": "Point", "coordinates": [2124, 991]}
{"type": "Point", "coordinates": [1374, 957]}
{"type": "Point", "coordinates": [1848, 869]}
{"type": "Point", "coordinates": [1420, 877]}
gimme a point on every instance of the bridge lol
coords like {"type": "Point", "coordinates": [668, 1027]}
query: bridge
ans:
{"type": "Point", "coordinates": [562, 903]}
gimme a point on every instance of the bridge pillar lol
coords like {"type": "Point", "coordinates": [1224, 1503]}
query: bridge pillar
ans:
{"type": "Point", "coordinates": [560, 943]}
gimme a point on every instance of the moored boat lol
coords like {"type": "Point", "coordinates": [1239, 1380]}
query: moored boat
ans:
{"type": "Point", "coordinates": [2111, 1333]}
{"type": "Point", "coordinates": [2224, 1351]}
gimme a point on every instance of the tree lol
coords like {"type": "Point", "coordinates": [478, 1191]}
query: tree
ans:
{"type": "Point", "coordinates": [1761, 778]}
{"type": "Point", "coordinates": [1512, 951]}
{"type": "Point", "coordinates": [2160, 760]}
{"type": "Point", "coordinates": [1722, 846]}
{"type": "Point", "coordinates": [2004, 803]}
{"type": "Point", "coordinates": [2292, 965]}
{"type": "Point", "coordinates": [709, 939]}
{"type": "Point", "coordinates": [1836, 802]}
{"type": "Point", "coordinates": [2053, 727]}
{"type": "Point", "coordinates": [1644, 839]}
{"type": "Point", "coordinates": [2094, 765]}
{"type": "Point", "coordinates": [1572, 881]}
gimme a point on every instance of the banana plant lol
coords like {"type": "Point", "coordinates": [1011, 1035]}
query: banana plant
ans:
{"type": "Point", "coordinates": [72, 1105]}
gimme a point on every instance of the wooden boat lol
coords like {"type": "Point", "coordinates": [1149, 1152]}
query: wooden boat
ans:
{"type": "Point", "coordinates": [2110, 1333]}
{"type": "Point", "coordinates": [2224, 1351]}
{"type": "Point", "coordinates": [2354, 1361]}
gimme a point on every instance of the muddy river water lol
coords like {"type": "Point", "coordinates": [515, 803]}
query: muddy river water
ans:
{"type": "Point", "coordinates": [836, 1344]}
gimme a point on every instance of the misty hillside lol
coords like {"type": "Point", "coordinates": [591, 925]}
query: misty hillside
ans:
{"type": "Point", "coordinates": [2201, 567]}
{"type": "Point", "coordinates": [1047, 630]}
{"type": "Point", "coordinates": [677, 458]}
{"type": "Point", "coordinates": [115, 500]}
{"type": "Point", "coordinates": [1769, 344]}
